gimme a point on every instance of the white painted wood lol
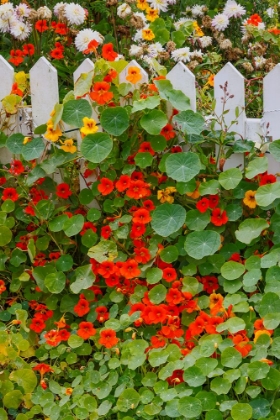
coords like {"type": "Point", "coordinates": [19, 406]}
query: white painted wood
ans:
{"type": "Point", "coordinates": [7, 78]}
{"type": "Point", "coordinates": [271, 103]}
{"type": "Point", "coordinates": [44, 90]}
{"type": "Point", "coordinates": [124, 73]}
{"type": "Point", "coordinates": [184, 80]}
{"type": "Point", "coordinates": [253, 129]}
{"type": "Point", "coordinates": [86, 66]}
{"type": "Point", "coordinates": [235, 87]}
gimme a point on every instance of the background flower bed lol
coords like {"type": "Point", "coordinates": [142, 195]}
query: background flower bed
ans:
{"type": "Point", "coordinates": [153, 292]}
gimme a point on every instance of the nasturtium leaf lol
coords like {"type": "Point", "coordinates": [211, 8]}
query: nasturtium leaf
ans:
{"type": "Point", "coordinates": [10, 103]}
{"type": "Point", "coordinates": [55, 282]}
{"type": "Point", "coordinates": [269, 304]}
{"type": "Point", "coordinates": [157, 294]}
{"type": "Point", "coordinates": [75, 110]}
{"type": "Point", "coordinates": [190, 407]}
{"type": "Point", "coordinates": [84, 278]}
{"type": "Point", "coordinates": [154, 121]}
{"type": "Point", "coordinates": [168, 218]}
{"type": "Point", "coordinates": [182, 166]}
{"type": "Point", "coordinates": [158, 143]}
{"type": "Point", "coordinates": [44, 209]}
{"type": "Point", "coordinates": [73, 225]}
{"type": "Point", "coordinates": [213, 415]}
{"type": "Point", "coordinates": [56, 224]}
{"type": "Point", "coordinates": [241, 411]}
{"type": "Point", "coordinates": [196, 220]}
{"type": "Point", "coordinates": [15, 143]}
{"type": "Point", "coordinates": [33, 149]}
{"type": "Point", "coordinates": [257, 166]}
{"type": "Point", "coordinates": [150, 102]}
{"type": "Point", "coordinates": [261, 408]}
{"type": "Point", "coordinates": [17, 257]}
{"type": "Point", "coordinates": [5, 235]}
{"type": "Point", "coordinates": [272, 380]}
{"type": "Point", "coordinates": [64, 263]}
{"type": "Point", "coordinates": [232, 270]}
{"type": "Point", "coordinates": [234, 212]}
{"type": "Point", "coordinates": [274, 148]}
{"type": "Point", "coordinates": [206, 365]}
{"type": "Point", "coordinates": [75, 341]}
{"type": "Point", "coordinates": [86, 196]}
{"type": "Point", "coordinates": [189, 122]}
{"type": "Point", "coordinates": [12, 399]}
{"type": "Point", "coordinates": [257, 370]}
{"type": "Point", "coordinates": [128, 399]}
{"type": "Point", "coordinates": [143, 159]}
{"type": "Point", "coordinates": [267, 194]}
{"type": "Point", "coordinates": [208, 400]}
{"type": "Point", "coordinates": [169, 254]}
{"type": "Point", "coordinates": [230, 178]}
{"type": "Point", "coordinates": [105, 250]}
{"type": "Point", "coordinates": [250, 229]}
{"type": "Point", "coordinates": [271, 321]}
{"type": "Point", "coordinates": [201, 244]}
{"type": "Point", "coordinates": [96, 147]}
{"type": "Point", "coordinates": [25, 378]}
{"type": "Point", "coordinates": [8, 206]}
{"type": "Point", "coordinates": [231, 358]}
{"type": "Point", "coordinates": [220, 386]}
{"type": "Point", "coordinates": [194, 376]}
{"type": "Point", "coordinates": [114, 120]}
{"type": "Point", "coordinates": [83, 84]}
{"type": "Point", "coordinates": [233, 325]}
{"type": "Point", "coordinates": [209, 187]}
{"type": "Point", "coordinates": [176, 97]}
{"type": "Point", "coordinates": [153, 275]}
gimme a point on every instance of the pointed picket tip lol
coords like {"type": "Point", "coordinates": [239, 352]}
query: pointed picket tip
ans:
{"type": "Point", "coordinates": [271, 103]}
{"type": "Point", "coordinates": [183, 79]}
{"type": "Point", "coordinates": [7, 77]}
{"type": "Point", "coordinates": [44, 90]}
{"type": "Point", "coordinates": [86, 66]}
{"type": "Point", "coordinates": [236, 89]}
{"type": "Point", "coordinates": [123, 74]}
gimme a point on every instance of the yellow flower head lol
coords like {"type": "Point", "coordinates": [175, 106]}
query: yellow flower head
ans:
{"type": "Point", "coordinates": [134, 75]}
{"type": "Point", "coordinates": [148, 34]}
{"type": "Point", "coordinates": [164, 196]}
{"type": "Point", "coordinates": [51, 133]}
{"type": "Point", "coordinates": [197, 29]}
{"type": "Point", "coordinates": [142, 4]}
{"type": "Point", "coordinates": [249, 199]}
{"type": "Point", "coordinates": [89, 127]}
{"type": "Point", "coordinates": [152, 14]}
{"type": "Point", "coordinates": [27, 140]}
{"type": "Point", "coordinates": [68, 146]}
{"type": "Point", "coordinates": [210, 80]}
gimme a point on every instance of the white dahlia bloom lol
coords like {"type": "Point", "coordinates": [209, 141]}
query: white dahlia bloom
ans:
{"type": "Point", "coordinates": [155, 49]}
{"type": "Point", "coordinates": [181, 54]}
{"type": "Point", "coordinates": [259, 61]}
{"type": "Point", "coordinates": [58, 8]}
{"type": "Point", "coordinates": [85, 36]}
{"type": "Point", "coordinates": [220, 22]}
{"type": "Point", "coordinates": [233, 9]}
{"type": "Point", "coordinates": [22, 11]}
{"type": "Point", "coordinates": [6, 11]}
{"type": "Point", "coordinates": [136, 51]}
{"type": "Point", "coordinates": [159, 5]}
{"type": "Point", "coordinates": [20, 30]}
{"type": "Point", "coordinates": [197, 54]}
{"type": "Point", "coordinates": [205, 41]}
{"type": "Point", "coordinates": [197, 10]}
{"type": "Point", "coordinates": [124, 10]}
{"type": "Point", "coordinates": [74, 13]}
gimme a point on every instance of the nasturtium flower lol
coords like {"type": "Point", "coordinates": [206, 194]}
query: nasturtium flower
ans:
{"type": "Point", "coordinates": [108, 338]}
{"type": "Point", "coordinates": [147, 34]}
{"type": "Point", "coordinates": [63, 190]}
{"type": "Point", "coordinates": [86, 330]}
{"type": "Point", "coordinates": [108, 52]}
{"type": "Point", "coordinates": [68, 146]}
{"type": "Point", "coordinates": [100, 93]}
{"type": "Point", "coordinates": [142, 4]}
{"type": "Point", "coordinates": [2, 286]}
{"type": "Point", "coordinates": [52, 133]}
{"type": "Point", "coordinates": [249, 199]}
{"type": "Point", "coordinates": [152, 14]}
{"type": "Point", "coordinates": [134, 75]}
{"type": "Point", "coordinates": [89, 127]}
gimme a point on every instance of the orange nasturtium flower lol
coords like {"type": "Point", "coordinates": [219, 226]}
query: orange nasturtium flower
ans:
{"type": "Point", "coordinates": [195, 194]}
{"type": "Point", "coordinates": [142, 4]}
{"type": "Point", "coordinates": [210, 80]}
{"type": "Point", "coordinates": [134, 75]}
{"type": "Point", "coordinates": [100, 93]}
{"type": "Point", "coordinates": [148, 34]}
{"type": "Point", "coordinates": [89, 127]}
{"type": "Point", "coordinates": [68, 146]}
{"type": "Point", "coordinates": [216, 303]}
{"type": "Point", "coordinates": [51, 133]}
{"type": "Point", "coordinates": [152, 14]}
{"type": "Point", "coordinates": [249, 199]}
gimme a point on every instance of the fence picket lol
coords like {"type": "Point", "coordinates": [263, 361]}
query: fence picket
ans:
{"type": "Point", "coordinates": [183, 79]}
{"type": "Point", "coordinates": [271, 103]}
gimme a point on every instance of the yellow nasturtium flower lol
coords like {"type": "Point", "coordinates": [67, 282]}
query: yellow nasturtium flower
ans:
{"type": "Point", "coordinates": [198, 30]}
{"type": "Point", "coordinates": [142, 4]}
{"type": "Point", "coordinates": [68, 146]}
{"type": "Point", "coordinates": [164, 196]}
{"type": "Point", "coordinates": [249, 199]}
{"type": "Point", "coordinates": [89, 127]}
{"type": "Point", "coordinates": [51, 133]}
{"type": "Point", "coordinates": [152, 14]}
{"type": "Point", "coordinates": [148, 34]}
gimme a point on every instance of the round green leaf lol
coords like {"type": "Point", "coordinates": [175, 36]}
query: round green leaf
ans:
{"type": "Point", "coordinates": [261, 408]}
{"type": "Point", "coordinates": [267, 194]}
{"type": "Point", "coordinates": [15, 143]}
{"type": "Point", "coordinates": [73, 225]}
{"type": "Point", "coordinates": [158, 143]}
{"type": "Point", "coordinates": [202, 244]}
{"type": "Point", "coordinates": [231, 357]}
{"type": "Point", "coordinates": [190, 407]}
{"type": "Point", "coordinates": [75, 341]}
{"type": "Point", "coordinates": [168, 218]}
{"type": "Point", "coordinates": [208, 400]}
{"type": "Point", "coordinates": [96, 147]}
{"type": "Point", "coordinates": [157, 294]}
{"type": "Point", "coordinates": [128, 399]}
{"type": "Point", "coordinates": [25, 378]}
{"type": "Point", "coordinates": [154, 275]}
{"type": "Point", "coordinates": [55, 282]}
{"type": "Point", "coordinates": [234, 212]}
{"type": "Point", "coordinates": [257, 370]}
{"type": "Point", "coordinates": [169, 254]}
{"type": "Point", "coordinates": [64, 263]}
{"type": "Point", "coordinates": [194, 376]}
{"type": "Point", "coordinates": [230, 178]}
{"type": "Point", "coordinates": [272, 380]}
{"type": "Point", "coordinates": [220, 386]}
{"type": "Point", "coordinates": [143, 159]}
{"type": "Point", "coordinates": [189, 122]}
{"type": "Point", "coordinates": [274, 149]}
{"type": "Point", "coordinates": [196, 220]}
{"type": "Point", "coordinates": [75, 110]}
{"type": "Point", "coordinates": [232, 270]}
{"type": "Point", "coordinates": [86, 196]}
{"type": "Point", "coordinates": [33, 149]}
{"type": "Point", "coordinates": [250, 229]}
{"type": "Point", "coordinates": [13, 399]}
{"type": "Point", "coordinates": [182, 166]}
{"type": "Point", "coordinates": [214, 415]}
{"type": "Point", "coordinates": [5, 235]}
{"type": "Point", "coordinates": [241, 411]}
{"type": "Point", "coordinates": [257, 166]}
{"type": "Point", "coordinates": [154, 121]}
{"type": "Point", "coordinates": [56, 224]}
{"type": "Point", "coordinates": [114, 120]}
{"type": "Point", "coordinates": [8, 206]}
{"type": "Point", "coordinates": [84, 278]}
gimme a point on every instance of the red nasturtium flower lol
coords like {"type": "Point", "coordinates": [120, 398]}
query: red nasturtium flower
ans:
{"type": "Point", "coordinates": [16, 57]}
{"type": "Point", "coordinates": [169, 274]}
{"type": "Point", "coordinates": [108, 52]}
{"type": "Point", "coordinates": [37, 325]}
{"type": "Point", "coordinates": [57, 53]}
{"type": "Point", "coordinates": [146, 147]}
{"type": "Point", "coordinates": [41, 25]}
{"type": "Point", "coordinates": [106, 232]}
{"type": "Point", "coordinates": [108, 338]}
{"type": "Point", "coordinates": [106, 186]}
{"type": "Point", "coordinates": [141, 216]}
{"type": "Point", "coordinates": [16, 167]}
{"type": "Point", "coordinates": [168, 132]}
{"type": "Point", "coordinates": [63, 190]}
{"type": "Point", "coordinates": [43, 368]}
{"type": "Point", "coordinates": [267, 179]}
{"type": "Point", "coordinates": [52, 337]}
{"type": "Point", "coordinates": [203, 205]}
{"type": "Point", "coordinates": [102, 314]}
{"type": "Point", "coordinates": [82, 307]}
{"type": "Point", "coordinates": [123, 183]}
{"type": "Point", "coordinates": [2, 286]}
{"type": "Point", "coordinates": [88, 226]}
{"type": "Point", "coordinates": [15, 90]}
{"type": "Point", "coordinates": [219, 217]}
{"type": "Point", "coordinates": [130, 269]}
{"type": "Point", "coordinates": [100, 93]}
{"type": "Point", "coordinates": [61, 28]}
{"type": "Point", "coordinates": [254, 20]}
{"type": "Point", "coordinates": [10, 194]}
{"type": "Point", "coordinates": [86, 330]}
{"type": "Point", "coordinates": [28, 49]}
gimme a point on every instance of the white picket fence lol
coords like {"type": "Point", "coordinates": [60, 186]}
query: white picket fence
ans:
{"type": "Point", "coordinates": [44, 95]}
